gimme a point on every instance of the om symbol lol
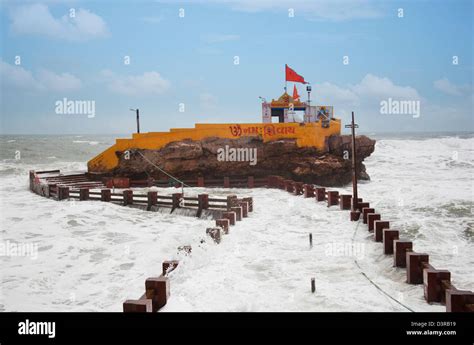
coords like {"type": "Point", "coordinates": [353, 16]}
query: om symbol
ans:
{"type": "Point", "coordinates": [236, 130]}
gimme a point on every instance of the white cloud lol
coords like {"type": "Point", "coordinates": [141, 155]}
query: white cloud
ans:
{"type": "Point", "coordinates": [335, 10]}
{"type": "Point", "coordinates": [149, 83]}
{"type": "Point", "coordinates": [444, 85]}
{"type": "Point", "coordinates": [18, 77]}
{"type": "Point", "coordinates": [36, 19]}
{"type": "Point", "coordinates": [208, 101]}
{"type": "Point", "coordinates": [218, 38]}
{"type": "Point", "coordinates": [58, 82]}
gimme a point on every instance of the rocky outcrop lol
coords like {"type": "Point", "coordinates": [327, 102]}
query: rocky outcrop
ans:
{"type": "Point", "coordinates": [212, 158]}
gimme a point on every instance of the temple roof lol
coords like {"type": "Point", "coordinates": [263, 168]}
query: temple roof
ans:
{"type": "Point", "coordinates": [284, 101]}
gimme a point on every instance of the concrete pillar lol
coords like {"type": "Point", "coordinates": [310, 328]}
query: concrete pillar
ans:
{"type": "Point", "coordinates": [433, 287]}
{"type": "Point", "coordinates": [128, 197]}
{"type": "Point", "coordinates": [371, 218]}
{"type": "Point", "coordinates": [214, 233]}
{"type": "Point", "coordinates": [84, 194]}
{"type": "Point", "coordinates": [388, 237]}
{"type": "Point", "coordinates": [308, 191]}
{"type": "Point", "coordinates": [415, 265]}
{"type": "Point", "coordinates": [224, 223]}
{"type": "Point", "coordinates": [250, 182]}
{"type": "Point", "coordinates": [345, 201]}
{"type": "Point", "coordinates": [379, 225]}
{"type": "Point", "coordinates": [238, 212]}
{"type": "Point", "coordinates": [105, 195]}
{"type": "Point", "coordinates": [333, 198]}
{"type": "Point", "coordinates": [231, 216]}
{"type": "Point", "coordinates": [400, 248]}
{"type": "Point", "coordinates": [158, 290]}
{"type": "Point", "coordinates": [169, 266]}
{"type": "Point", "coordinates": [365, 212]}
{"type": "Point", "coordinates": [137, 306]}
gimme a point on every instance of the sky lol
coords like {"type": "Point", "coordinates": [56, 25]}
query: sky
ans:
{"type": "Point", "coordinates": [187, 62]}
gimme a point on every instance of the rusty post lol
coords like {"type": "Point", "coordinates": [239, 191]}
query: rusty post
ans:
{"type": "Point", "coordinates": [371, 218]}
{"type": "Point", "coordinates": [226, 182]}
{"type": "Point", "coordinates": [320, 194]}
{"type": "Point", "coordinates": [345, 201]}
{"type": "Point", "coordinates": [250, 203]}
{"type": "Point", "coordinates": [203, 201]}
{"type": "Point", "coordinates": [231, 216]}
{"type": "Point", "coordinates": [137, 306]}
{"type": "Point", "coordinates": [158, 290]}
{"type": "Point", "coordinates": [245, 208]}
{"type": "Point", "coordinates": [308, 191]}
{"type": "Point", "coordinates": [433, 286]}
{"type": "Point", "coordinates": [415, 265]}
{"type": "Point", "coordinates": [238, 212]}
{"type": "Point", "coordinates": [333, 198]}
{"type": "Point", "coordinates": [127, 197]}
{"type": "Point", "coordinates": [84, 194]}
{"type": "Point", "coordinates": [459, 300]}
{"type": "Point", "coordinates": [224, 223]}
{"type": "Point", "coordinates": [365, 212]}
{"type": "Point", "coordinates": [388, 237]}
{"type": "Point", "coordinates": [400, 248]}
{"type": "Point", "coordinates": [105, 195]}
{"type": "Point", "coordinates": [379, 225]}
{"type": "Point", "coordinates": [152, 199]}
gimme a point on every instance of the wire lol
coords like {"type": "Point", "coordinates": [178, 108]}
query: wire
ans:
{"type": "Point", "coordinates": [164, 172]}
{"type": "Point", "coordinates": [371, 281]}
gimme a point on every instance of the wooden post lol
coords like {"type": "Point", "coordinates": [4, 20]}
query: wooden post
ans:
{"type": "Point", "coordinates": [158, 290]}
{"type": "Point", "coordinates": [308, 191]}
{"type": "Point", "coordinates": [345, 201]}
{"type": "Point", "coordinates": [226, 182]}
{"type": "Point", "coordinates": [353, 126]}
{"type": "Point", "coordinates": [127, 197]}
{"type": "Point", "coordinates": [400, 248]}
{"type": "Point", "coordinates": [433, 287]}
{"type": "Point", "coordinates": [245, 207]}
{"type": "Point", "coordinates": [231, 216]}
{"type": "Point", "coordinates": [379, 225]}
{"type": "Point", "coordinates": [63, 192]}
{"type": "Point", "coordinates": [250, 203]}
{"type": "Point", "coordinates": [365, 212]}
{"type": "Point", "coordinates": [138, 306]}
{"type": "Point", "coordinates": [415, 267]}
{"type": "Point", "coordinates": [231, 201]}
{"type": "Point", "coordinates": [168, 266]}
{"type": "Point", "coordinates": [238, 212]}
{"type": "Point", "coordinates": [333, 198]}
{"type": "Point", "coordinates": [84, 194]}
{"type": "Point", "coordinates": [388, 237]}
{"type": "Point", "coordinates": [203, 201]}
{"type": "Point", "coordinates": [320, 194]}
{"type": "Point", "coordinates": [105, 195]}
{"type": "Point", "coordinates": [371, 218]}
{"type": "Point", "coordinates": [224, 224]}
{"type": "Point", "coordinates": [459, 300]}
{"type": "Point", "coordinates": [215, 234]}
{"type": "Point", "coordinates": [152, 199]}
{"type": "Point", "coordinates": [313, 285]}
{"type": "Point", "coordinates": [310, 240]}
{"type": "Point", "coordinates": [176, 199]}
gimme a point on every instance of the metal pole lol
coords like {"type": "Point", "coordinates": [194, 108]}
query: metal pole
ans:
{"type": "Point", "coordinates": [354, 171]}
{"type": "Point", "coordinates": [138, 121]}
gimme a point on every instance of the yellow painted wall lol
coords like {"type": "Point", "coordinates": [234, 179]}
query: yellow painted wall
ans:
{"type": "Point", "coordinates": [306, 134]}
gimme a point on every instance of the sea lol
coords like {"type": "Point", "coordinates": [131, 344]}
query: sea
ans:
{"type": "Point", "coordinates": [92, 256]}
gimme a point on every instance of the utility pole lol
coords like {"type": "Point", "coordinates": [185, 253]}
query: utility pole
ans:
{"type": "Point", "coordinates": [353, 126]}
{"type": "Point", "coordinates": [138, 118]}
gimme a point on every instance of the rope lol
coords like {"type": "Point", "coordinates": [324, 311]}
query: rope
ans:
{"type": "Point", "coordinates": [371, 281]}
{"type": "Point", "coordinates": [164, 172]}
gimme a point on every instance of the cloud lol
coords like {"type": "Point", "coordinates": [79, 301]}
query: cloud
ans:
{"type": "Point", "coordinates": [44, 80]}
{"type": "Point", "coordinates": [334, 10]}
{"type": "Point", "coordinates": [149, 83]}
{"type": "Point", "coordinates": [36, 19]}
{"type": "Point", "coordinates": [208, 101]}
{"type": "Point", "coordinates": [218, 38]}
{"type": "Point", "coordinates": [58, 82]}
{"type": "Point", "coordinates": [445, 86]}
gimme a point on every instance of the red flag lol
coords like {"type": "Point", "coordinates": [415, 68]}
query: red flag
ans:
{"type": "Point", "coordinates": [293, 76]}
{"type": "Point", "coordinates": [296, 97]}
